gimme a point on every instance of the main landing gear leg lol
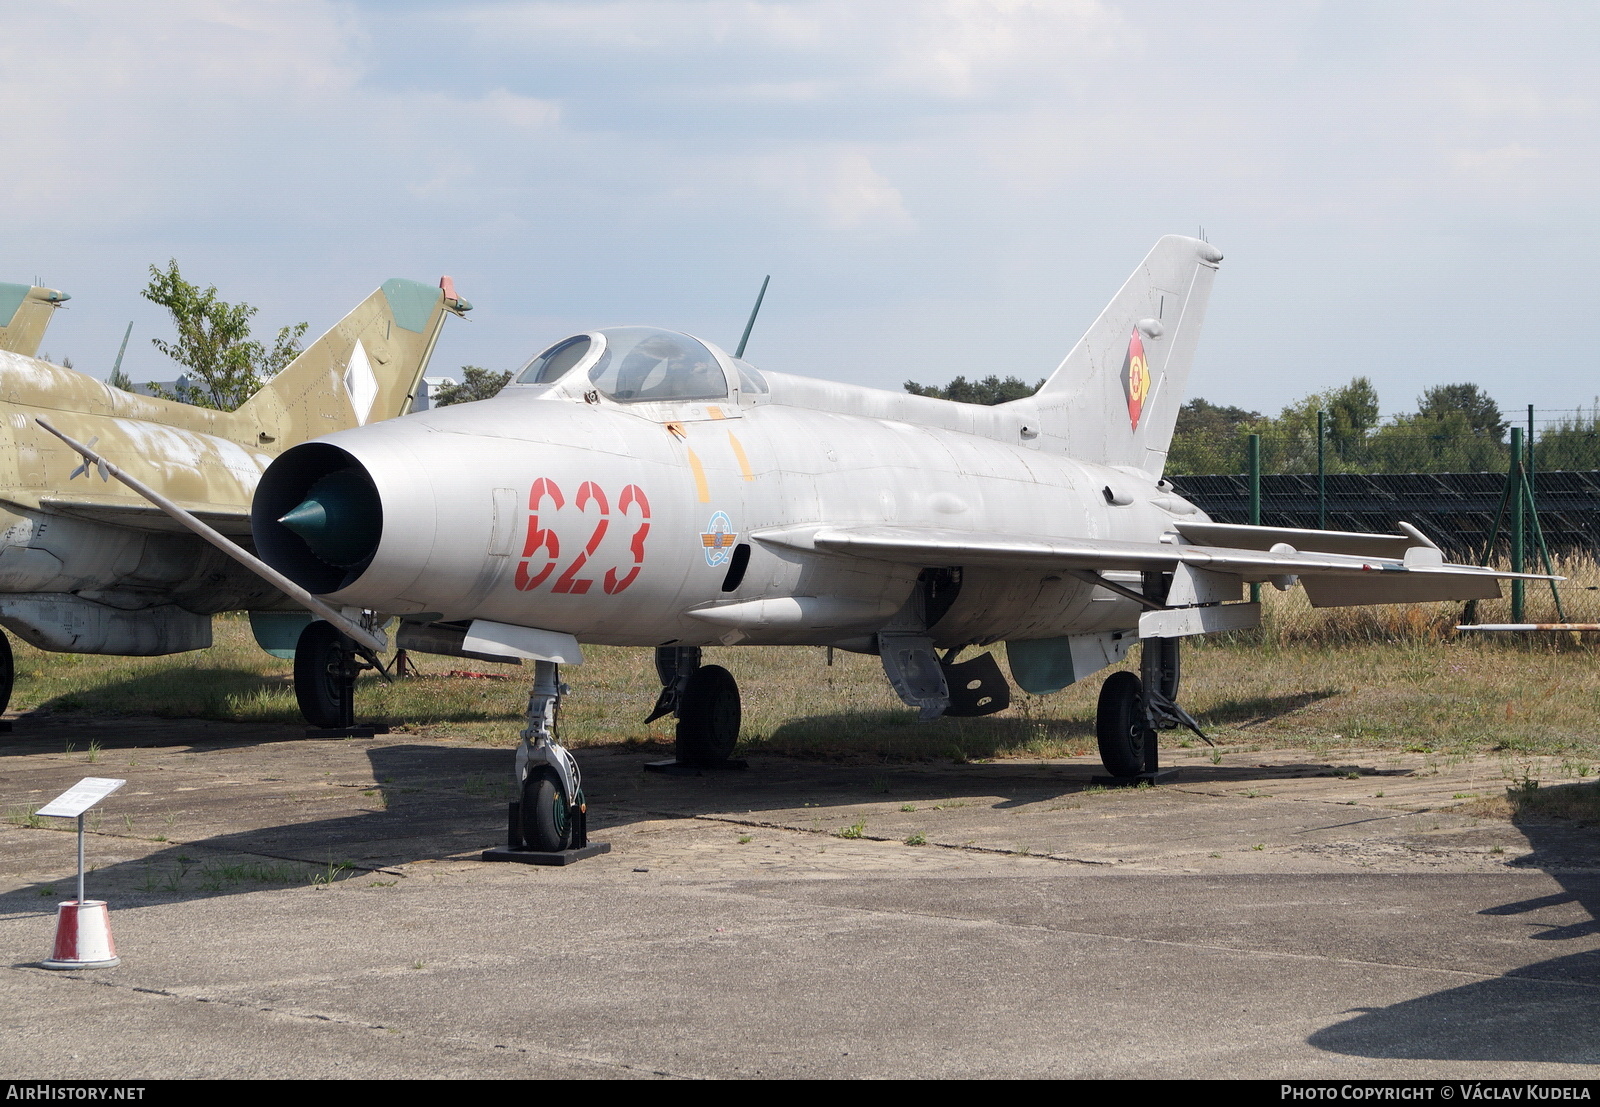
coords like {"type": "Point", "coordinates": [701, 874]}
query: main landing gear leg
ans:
{"type": "Point", "coordinates": [325, 671]}
{"type": "Point", "coordinates": [705, 699]}
{"type": "Point", "coordinates": [1133, 709]}
{"type": "Point", "coordinates": [548, 819]}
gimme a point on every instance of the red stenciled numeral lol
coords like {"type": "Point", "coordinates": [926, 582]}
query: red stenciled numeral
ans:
{"type": "Point", "coordinates": [539, 539]}
{"type": "Point", "coordinates": [568, 582]}
{"type": "Point", "coordinates": [632, 502]}
{"type": "Point", "coordinates": [631, 496]}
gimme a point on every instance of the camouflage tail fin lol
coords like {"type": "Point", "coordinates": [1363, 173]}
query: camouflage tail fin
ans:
{"type": "Point", "coordinates": [367, 368]}
{"type": "Point", "coordinates": [24, 314]}
{"type": "Point", "coordinates": [1115, 397]}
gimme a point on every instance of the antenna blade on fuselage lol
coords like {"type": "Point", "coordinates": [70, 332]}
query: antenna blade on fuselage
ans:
{"type": "Point", "coordinates": [762, 295]}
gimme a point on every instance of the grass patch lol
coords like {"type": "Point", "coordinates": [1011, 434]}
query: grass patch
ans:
{"type": "Point", "coordinates": [1527, 801]}
{"type": "Point", "coordinates": [1388, 678]}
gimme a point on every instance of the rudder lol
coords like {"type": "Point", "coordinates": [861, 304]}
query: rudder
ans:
{"type": "Point", "coordinates": [1114, 398]}
{"type": "Point", "coordinates": [26, 311]}
{"type": "Point", "coordinates": [366, 368]}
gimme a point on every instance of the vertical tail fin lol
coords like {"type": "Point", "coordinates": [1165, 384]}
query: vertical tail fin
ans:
{"type": "Point", "coordinates": [24, 314]}
{"type": "Point", "coordinates": [1115, 397]}
{"type": "Point", "coordinates": [366, 368]}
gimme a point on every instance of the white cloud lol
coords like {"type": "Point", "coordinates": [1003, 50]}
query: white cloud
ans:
{"type": "Point", "coordinates": [1001, 135]}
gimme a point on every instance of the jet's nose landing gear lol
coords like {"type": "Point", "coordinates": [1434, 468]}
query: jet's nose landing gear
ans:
{"type": "Point", "coordinates": [548, 822]}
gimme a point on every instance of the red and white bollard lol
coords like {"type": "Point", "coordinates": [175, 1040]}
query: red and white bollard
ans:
{"type": "Point", "coordinates": [83, 937]}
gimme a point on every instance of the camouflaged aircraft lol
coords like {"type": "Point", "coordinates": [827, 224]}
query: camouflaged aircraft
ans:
{"type": "Point", "coordinates": [635, 486]}
{"type": "Point", "coordinates": [87, 567]}
{"type": "Point", "coordinates": [27, 311]}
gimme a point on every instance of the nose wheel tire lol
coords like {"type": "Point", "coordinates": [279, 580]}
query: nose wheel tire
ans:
{"type": "Point", "coordinates": [546, 814]}
{"type": "Point", "coordinates": [1119, 727]}
{"type": "Point", "coordinates": [708, 718]}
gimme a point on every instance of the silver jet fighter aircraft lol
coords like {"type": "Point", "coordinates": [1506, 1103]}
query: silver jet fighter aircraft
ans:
{"type": "Point", "coordinates": [639, 487]}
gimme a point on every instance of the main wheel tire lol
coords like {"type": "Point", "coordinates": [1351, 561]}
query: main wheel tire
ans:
{"type": "Point", "coordinates": [708, 717]}
{"type": "Point", "coordinates": [8, 672]}
{"type": "Point", "coordinates": [546, 813]}
{"type": "Point", "coordinates": [317, 657]}
{"type": "Point", "coordinates": [1118, 726]}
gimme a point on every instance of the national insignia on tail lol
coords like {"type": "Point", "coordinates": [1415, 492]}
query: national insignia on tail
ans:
{"type": "Point", "coordinates": [1135, 379]}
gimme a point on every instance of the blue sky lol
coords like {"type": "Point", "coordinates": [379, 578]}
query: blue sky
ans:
{"type": "Point", "coordinates": [1403, 190]}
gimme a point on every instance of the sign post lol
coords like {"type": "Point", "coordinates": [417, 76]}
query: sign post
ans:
{"type": "Point", "coordinates": [83, 927]}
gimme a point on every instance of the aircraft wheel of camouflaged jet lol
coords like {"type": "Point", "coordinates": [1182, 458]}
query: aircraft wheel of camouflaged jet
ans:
{"type": "Point", "coordinates": [708, 720]}
{"type": "Point", "coordinates": [8, 676]}
{"type": "Point", "coordinates": [321, 676]}
{"type": "Point", "coordinates": [1118, 726]}
{"type": "Point", "coordinates": [546, 819]}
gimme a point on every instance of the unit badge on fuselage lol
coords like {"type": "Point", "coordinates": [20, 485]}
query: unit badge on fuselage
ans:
{"type": "Point", "coordinates": [1135, 379]}
{"type": "Point", "coordinates": [719, 539]}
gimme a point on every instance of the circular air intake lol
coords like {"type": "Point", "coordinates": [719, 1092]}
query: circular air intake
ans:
{"type": "Point", "coordinates": [317, 517]}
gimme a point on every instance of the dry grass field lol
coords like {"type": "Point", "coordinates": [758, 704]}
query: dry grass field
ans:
{"type": "Point", "coordinates": [1357, 679]}
{"type": "Point", "coordinates": [1379, 678]}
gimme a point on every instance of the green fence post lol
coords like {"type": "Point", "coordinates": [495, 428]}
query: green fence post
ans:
{"type": "Point", "coordinates": [1322, 471]}
{"type": "Point", "coordinates": [1255, 499]}
{"type": "Point", "coordinates": [1518, 523]}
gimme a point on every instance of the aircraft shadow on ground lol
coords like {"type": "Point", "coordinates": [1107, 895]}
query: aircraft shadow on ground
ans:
{"type": "Point", "coordinates": [222, 697]}
{"type": "Point", "coordinates": [440, 802]}
{"type": "Point", "coordinates": [218, 696]}
{"type": "Point", "coordinates": [1539, 1012]}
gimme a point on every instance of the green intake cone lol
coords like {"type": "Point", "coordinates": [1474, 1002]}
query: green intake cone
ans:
{"type": "Point", "coordinates": [340, 518]}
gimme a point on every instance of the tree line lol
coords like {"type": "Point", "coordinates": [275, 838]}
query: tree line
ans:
{"type": "Point", "coordinates": [1456, 428]}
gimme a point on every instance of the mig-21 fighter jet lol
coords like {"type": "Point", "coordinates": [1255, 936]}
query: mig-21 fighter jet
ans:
{"type": "Point", "coordinates": [636, 486]}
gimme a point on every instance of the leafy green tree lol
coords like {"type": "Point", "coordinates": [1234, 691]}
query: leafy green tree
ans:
{"type": "Point", "coordinates": [1436, 442]}
{"type": "Point", "coordinates": [214, 343]}
{"type": "Point", "coordinates": [1289, 442]}
{"type": "Point", "coordinates": [477, 383]}
{"type": "Point", "coordinates": [1572, 443]}
{"type": "Point", "coordinates": [1209, 438]}
{"type": "Point", "coordinates": [1482, 414]}
{"type": "Point", "coordinates": [989, 391]}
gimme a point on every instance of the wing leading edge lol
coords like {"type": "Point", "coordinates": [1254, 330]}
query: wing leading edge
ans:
{"type": "Point", "coordinates": [1407, 570]}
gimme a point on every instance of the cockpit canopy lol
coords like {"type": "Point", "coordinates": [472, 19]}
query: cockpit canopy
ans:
{"type": "Point", "coordinates": [634, 365]}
